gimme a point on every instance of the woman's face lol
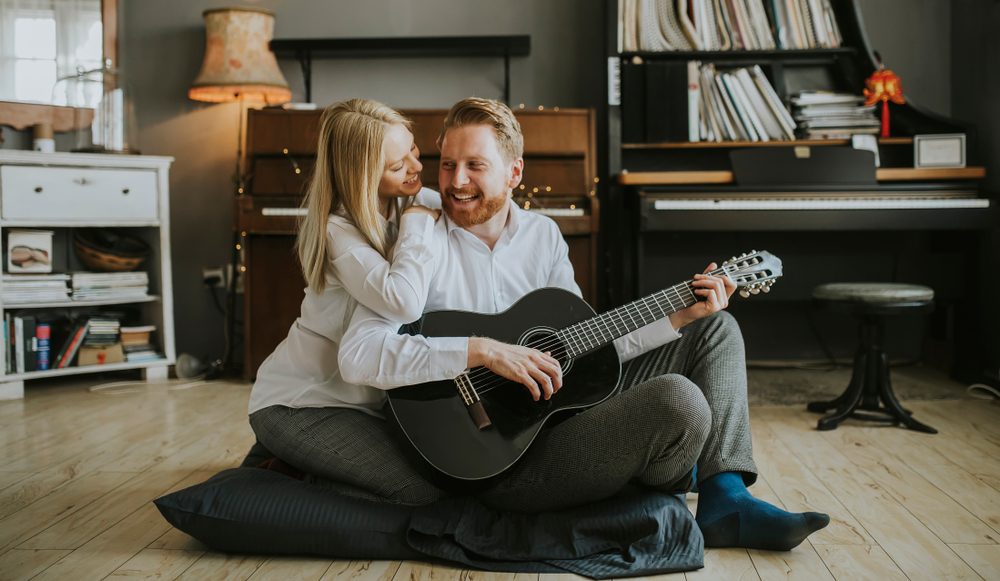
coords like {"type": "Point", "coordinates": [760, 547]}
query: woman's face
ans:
{"type": "Point", "coordinates": [401, 176]}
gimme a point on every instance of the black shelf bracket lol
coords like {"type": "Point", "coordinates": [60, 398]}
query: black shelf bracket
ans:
{"type": "Point", "coordinates": [306, 49]}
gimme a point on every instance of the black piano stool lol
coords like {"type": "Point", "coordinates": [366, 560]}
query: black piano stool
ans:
{"type": "Point", "coordinates": [869, 395]}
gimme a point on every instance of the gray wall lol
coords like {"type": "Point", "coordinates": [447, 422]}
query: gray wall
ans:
{"type": "Point", "coordinates": [914, 39]}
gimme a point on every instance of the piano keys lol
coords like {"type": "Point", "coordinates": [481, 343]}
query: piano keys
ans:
{"type": "Point", "coordinates": [881, 209]}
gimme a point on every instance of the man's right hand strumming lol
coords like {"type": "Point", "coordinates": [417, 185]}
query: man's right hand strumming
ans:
{"type": "Point", "coordinates": [539, 372]}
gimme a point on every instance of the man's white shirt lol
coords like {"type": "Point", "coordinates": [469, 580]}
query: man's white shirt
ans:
{"type": "Point", "coordinates": [467, 275]}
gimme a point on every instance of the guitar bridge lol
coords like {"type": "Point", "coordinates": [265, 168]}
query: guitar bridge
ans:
{"type": "Point", "coordinates": [472, 402]}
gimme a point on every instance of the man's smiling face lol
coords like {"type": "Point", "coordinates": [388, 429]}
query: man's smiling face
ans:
{"type": "Point", "coordinates": [474, 177]}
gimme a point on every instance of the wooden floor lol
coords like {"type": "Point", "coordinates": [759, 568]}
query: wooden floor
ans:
{"type": "Point", "coordinates": [79, 469]}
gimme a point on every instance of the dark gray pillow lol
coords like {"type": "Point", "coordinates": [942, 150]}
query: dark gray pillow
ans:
{"type": "Point", "coordinates": [249, 510]}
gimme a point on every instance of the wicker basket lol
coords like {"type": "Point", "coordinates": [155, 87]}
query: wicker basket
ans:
{"type": "Point", "coordinates": [106, 250]}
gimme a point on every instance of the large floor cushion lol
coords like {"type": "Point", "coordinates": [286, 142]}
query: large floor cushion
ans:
{"type": "Point", "coordinates": [250, 510]}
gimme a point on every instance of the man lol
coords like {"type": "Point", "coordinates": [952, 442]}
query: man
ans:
{"type": "Point", "coordinates": [683, 400]}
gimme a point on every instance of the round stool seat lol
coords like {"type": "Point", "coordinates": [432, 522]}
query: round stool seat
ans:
{"type": "Point", "coordinates": [874, 292]}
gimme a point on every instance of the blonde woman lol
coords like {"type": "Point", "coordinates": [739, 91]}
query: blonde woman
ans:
{"type": "Point", "coordinates": [367, 171]}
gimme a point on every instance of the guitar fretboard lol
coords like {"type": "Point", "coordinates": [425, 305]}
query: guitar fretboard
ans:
{"type": "Point", "coordinates": [594, 333]}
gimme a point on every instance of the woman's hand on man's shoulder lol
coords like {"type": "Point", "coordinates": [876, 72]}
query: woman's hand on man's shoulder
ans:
{"type": "Point", "coordinates": [415, 209]}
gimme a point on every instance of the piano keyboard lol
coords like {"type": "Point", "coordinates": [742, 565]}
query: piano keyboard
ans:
{"type": "Point", "coordinates": [821, 204]}
{"type": "Point", "coordinates": [275, 211]}
{"type": "Point", "coordinates": [558, 211]}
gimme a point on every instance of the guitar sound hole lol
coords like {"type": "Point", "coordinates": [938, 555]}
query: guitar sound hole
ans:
{"type": "Point", "coordinates": [545, 340]}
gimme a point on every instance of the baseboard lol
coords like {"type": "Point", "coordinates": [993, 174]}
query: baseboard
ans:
{"type": "Point", "coordinates": [12, 390]}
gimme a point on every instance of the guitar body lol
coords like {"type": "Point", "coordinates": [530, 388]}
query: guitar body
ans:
{"type": "Point", "coordinates": [434, 417]}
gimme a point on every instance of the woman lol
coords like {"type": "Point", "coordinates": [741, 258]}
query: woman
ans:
{"type": "Point", "coordinates": [367, 169]}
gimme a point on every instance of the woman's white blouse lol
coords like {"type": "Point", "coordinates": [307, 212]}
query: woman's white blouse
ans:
{"type": "Point", "coordinates": [302, 371]}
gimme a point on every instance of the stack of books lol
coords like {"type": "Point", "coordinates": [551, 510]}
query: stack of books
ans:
{"type": "Point", "coordinates": [101, 332]}
{"type": "Point", "coordinates": [826, 115]}
{"type": "Point", "coordinates": [89, 286]}
{"type": "Point", "coordinates": [738, 105]}
{"type": "Point", "coordinates": [101, 344]}
{"type": "Point", "coordinates": [666, 25]}
{"type": "Point", "coordinates": [35, 288]}
{"type": "Point", "coordinates": [137, 343]}
{"type": "Point", "coordinates": [20, 351]}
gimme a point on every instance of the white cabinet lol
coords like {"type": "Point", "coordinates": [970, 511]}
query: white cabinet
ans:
{"type": "Point", "coordinates": [64, 192]}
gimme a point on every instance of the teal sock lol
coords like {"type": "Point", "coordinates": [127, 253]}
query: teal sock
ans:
{"type": "Point", "coordinates": [729, 516]}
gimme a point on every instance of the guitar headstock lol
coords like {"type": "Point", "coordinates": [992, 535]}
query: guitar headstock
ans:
{"type": "Point", "coordinates": [753, 271]}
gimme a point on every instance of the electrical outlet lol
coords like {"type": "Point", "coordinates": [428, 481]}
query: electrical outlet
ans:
{"type": "Point", "coordinates": [214, 277]}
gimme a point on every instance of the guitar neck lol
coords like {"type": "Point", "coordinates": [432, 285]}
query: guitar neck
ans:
{"type": "Point", "coordinates": [594, 333]}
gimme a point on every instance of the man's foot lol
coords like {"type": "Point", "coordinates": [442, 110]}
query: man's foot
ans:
{"type": "Point", "coordinates": [729, 516]}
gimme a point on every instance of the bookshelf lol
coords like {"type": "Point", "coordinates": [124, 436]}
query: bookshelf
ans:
{"type": "Point", "coordinates": [63, 193]}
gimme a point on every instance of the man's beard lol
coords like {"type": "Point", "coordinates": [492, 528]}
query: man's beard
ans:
{"type": "Point", "coordinates": [487, 208]}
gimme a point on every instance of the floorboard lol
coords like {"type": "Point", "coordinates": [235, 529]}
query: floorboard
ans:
{"type": "Point", "coordinates": [76, 503]}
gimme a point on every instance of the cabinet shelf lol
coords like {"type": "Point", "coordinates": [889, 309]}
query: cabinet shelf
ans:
{"type": "Point", "coordinates": [729, 144]}
{"type": "Point", "coordinates": [77, 369]}
{"type": "Point", "coordinates": [825, 54]}
{"type": "Point", "coordinates": [80, 223]}
{"type": "Point", "coordinates": [89, 303]}
{"type": "Point", "coordinates": [882, 174]}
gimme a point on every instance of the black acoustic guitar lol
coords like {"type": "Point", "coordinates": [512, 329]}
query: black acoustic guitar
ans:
{"type": "Point", "coordinates": [479, 424]}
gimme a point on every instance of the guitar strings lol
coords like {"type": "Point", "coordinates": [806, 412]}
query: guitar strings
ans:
{"type": "Point", "coordinates": [589, 325]}
{"type": "Point", "coordinates": [592, 324]}
{"type": "Point", "coordinates": [498, 380]}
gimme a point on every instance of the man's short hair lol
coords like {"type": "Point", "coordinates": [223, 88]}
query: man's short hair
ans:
{"type": "Point", "coordinates": [477, 111]}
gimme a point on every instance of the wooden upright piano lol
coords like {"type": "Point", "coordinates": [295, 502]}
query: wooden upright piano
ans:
{"type": "Point", "coordinates": [560, 180]}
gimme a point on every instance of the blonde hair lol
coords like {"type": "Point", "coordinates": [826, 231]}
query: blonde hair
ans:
{"type": "Point", "coordinates": [349, 167]}
{"type": "Point", "coordinates": [478, 111]}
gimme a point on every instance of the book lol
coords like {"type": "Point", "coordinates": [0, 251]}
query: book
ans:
{"type": "Point", "coordinates": [136, 335]}
{"type": "Point", "coordinates": [693, 96]}
{"type": "Point", "coordinates": [667, 101]}
{"type": "Point", "coordinates": [72, 345]}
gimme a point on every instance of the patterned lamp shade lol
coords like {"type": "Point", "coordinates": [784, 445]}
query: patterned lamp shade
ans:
{"type": "Point", "coordinates": [238, 62]}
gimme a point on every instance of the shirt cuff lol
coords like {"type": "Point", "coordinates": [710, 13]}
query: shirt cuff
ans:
{"type": "Point", "coordinates": [449, 355]}
{"type": "Point", "coordinates": [646, 339]}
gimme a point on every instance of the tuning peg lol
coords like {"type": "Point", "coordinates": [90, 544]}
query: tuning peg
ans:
{"type": "Point", "coordinates": [766, 288]}
{"type": "Point", "coordinates": [753, 252]}
{"type": "Point", "coordinates": [744, 293]}
{"type": "Point", "coordinates": [754, 290]}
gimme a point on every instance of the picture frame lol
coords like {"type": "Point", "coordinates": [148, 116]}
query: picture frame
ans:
{"type": "Point", "coordinates": [29, 251]}
{"type": "Point", "coordinates": [943, 150]}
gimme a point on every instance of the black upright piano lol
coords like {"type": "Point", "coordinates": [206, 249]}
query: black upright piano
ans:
{"type": "Point", "coordinates": [810, 202]}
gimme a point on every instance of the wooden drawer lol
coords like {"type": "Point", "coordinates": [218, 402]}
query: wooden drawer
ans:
{"type": "Point", "coordinates": [70, 193]}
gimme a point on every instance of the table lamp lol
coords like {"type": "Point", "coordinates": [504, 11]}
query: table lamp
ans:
{"type": "Point", "coordinates": [238, 63]}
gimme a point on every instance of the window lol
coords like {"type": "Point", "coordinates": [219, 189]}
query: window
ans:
{"type": "Point", "coordinates": [45, 40]}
